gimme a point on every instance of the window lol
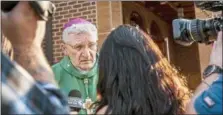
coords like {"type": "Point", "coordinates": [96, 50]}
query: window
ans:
{"type": "Point", "coordinates": [157, 37]}
{"type": "Point", "coordinates": [136, 20]}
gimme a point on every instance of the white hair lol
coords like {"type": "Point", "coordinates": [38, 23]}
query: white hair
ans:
{"type": "Point", "coordinates": [78, 29]}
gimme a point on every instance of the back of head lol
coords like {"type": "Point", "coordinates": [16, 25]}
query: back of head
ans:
{"type": "Point", "coordinates": [129, 80]}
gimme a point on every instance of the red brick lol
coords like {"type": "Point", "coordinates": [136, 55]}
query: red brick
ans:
{"type": "Point", "coordinates": [56, 38]}
{"type": "Point", "coordinates": [56, 13]}
{"type": "Point", "coordinates": [57, 46]}
{"type": "Point", "coordinates": [59, 50]}
{"type": "Point", "coordinates": [72, 2]}
{"type": "Point", "coordinates": [86, 4]}
{"type": "Point", "coordinates": [58, 17]}
{"type": "Point", "coordinates": [54, 35]}
{"type": "Point", "coordinates": [63, 12]}
{"type": "Point", "coordinates": [54, 26]}
{"type": "Point", "coordinates": [59, 25]}
{"type": "Point", "coordinates": [63, 4]}
{"type": "Point", "coordinates": [92, 16]}
{"type": "Point", "coordinates": [61, 29]}
{"type": "Point", "coordinates": [67, 15]}
{"type": "Point", "coordinates": [55, 29]}
{"type": "Point", "coordinates": [77, 6]}
{"type": "Point", "coordinates": [58, 33]}
{"type": "Point", "coordinates": [82, 9]}
{"type": "Point", "coordinates": [67, 8]}
{"type": "Point", "coordinates": [91, 7]}
{"type": "Point", "coordinates": [59, 42]}
{"type": "Point", "coordinates": [73, 11]}
{"type": "Point", "coordinates": [81, 1]}
{"type": "Point", "coordinates": [93, 3]}
{"type": "Point", "coordinates": [76, 14]}
{"type": "Point", "coordinates": [57, 54]}
{"type": "Point", "coordinates": [56, 21]}
{"type": "Point", "coordinates": [57, 5]}
{"type": "Point", "coordinates": [86, 12]}
{"type": "Point", "coordinates": [59, 9]}
{"type": "Point", "coordinates": [84, 17]}
{"type": "Point", "coordinates": [56, 2]}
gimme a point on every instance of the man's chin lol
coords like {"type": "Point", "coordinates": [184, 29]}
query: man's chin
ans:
{"type": "Point", "coordinates": [86, 68]}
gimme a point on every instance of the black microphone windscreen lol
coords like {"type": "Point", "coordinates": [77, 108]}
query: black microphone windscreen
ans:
{"type": "Point", "coordinates": [74, 100]}
{"type": "Point", "coordinates": [74, 93]}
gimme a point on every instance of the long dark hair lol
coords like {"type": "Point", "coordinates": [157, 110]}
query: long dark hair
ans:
{"type": "Point", "coordinates": [135, 78]}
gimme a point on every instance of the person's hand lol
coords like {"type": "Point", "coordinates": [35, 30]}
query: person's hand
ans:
{"type": "Point", "coordinates": [22, 26]}
{"type": "Point", "coordinates": [216, 54]}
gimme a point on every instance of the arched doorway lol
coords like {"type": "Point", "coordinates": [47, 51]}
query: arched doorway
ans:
{"type": "Point", "coordinates": [158, 37]}
{"type": "Point", "coordinates": [136, 20]}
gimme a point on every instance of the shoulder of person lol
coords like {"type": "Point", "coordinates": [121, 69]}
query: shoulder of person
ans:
{"type": "Point", "coordinates": [56, 66]}
{"type": "Point", "coordinates": [210, 101]}
{"type": "Point", "coordinates": [57, 70]}
{"type": "Point", "coordinates": [102, 110]}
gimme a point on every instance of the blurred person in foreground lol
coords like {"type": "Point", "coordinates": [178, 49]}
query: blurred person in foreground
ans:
{"type": "Point", "coordinates": [207, 98]}
{"type": "Point", "coordinates": [135, 78]}
{"type": "Point", "coordinates": [28, 85]}
{"type": "Point", "coordinates": [78, 70]}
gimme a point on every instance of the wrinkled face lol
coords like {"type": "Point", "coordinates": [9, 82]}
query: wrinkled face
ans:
{"type": "Point", "coordinates": [82, 49]}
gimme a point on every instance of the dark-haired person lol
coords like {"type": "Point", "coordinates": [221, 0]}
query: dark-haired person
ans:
{"type": "Point", "coordinates": [135, 78]}
{"type": "Point", "coordinates": [207, 98]}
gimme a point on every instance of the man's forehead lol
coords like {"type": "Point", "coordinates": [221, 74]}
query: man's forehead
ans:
{"type": "Point", "coordinates": [81, 38]}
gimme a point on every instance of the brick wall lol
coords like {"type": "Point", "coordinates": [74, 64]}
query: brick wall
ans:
{"type": "Point", "coordinates": [67, 10]}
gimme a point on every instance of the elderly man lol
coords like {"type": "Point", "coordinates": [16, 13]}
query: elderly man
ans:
{"type": "Point", "coordinates": [78, 69]}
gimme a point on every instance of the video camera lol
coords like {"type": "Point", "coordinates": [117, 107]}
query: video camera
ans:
{"type": "Point", "coordinates": [44, 9]}
{"type": "Point", "coordinates": [187, 31]}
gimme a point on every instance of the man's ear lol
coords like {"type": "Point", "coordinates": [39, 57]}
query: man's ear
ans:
{"type": "Point", "coordinates": [64, 49]}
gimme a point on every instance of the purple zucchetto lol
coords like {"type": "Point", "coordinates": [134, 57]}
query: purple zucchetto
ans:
{"type": "Point", "coordinates": [76, 21]}
{"type": "Point", "coordinates": [79, 25]}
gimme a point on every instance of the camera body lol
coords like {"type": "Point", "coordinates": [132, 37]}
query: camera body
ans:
{"type": "Point", "coordinates": [186, 31]}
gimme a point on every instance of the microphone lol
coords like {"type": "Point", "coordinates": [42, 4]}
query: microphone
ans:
{"type": "Point", "coordinates": [76, 103]}
{"type": "Point", "coordinates": [74, 100]}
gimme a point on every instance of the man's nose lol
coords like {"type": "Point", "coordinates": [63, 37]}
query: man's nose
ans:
{"type": "Point", "coordinates": [86, 53]}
